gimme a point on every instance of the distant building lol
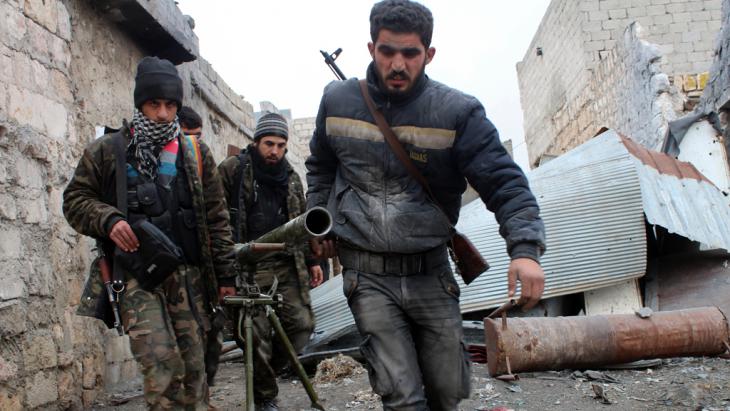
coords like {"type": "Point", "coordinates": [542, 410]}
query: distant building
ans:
{"type": "Point", "coordinates": [631, 65]}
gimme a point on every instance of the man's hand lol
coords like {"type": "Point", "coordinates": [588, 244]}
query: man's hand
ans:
{"type": "Point", "coordinates": [315, 276]}
{"type": "Point", "coordinates": [224, 291]}
{"type": "Point", "coordinates": [322, 248]}
{"type": "Point", "coordinates": [124, 237]}
{"type": "Point", "coordinates": [532, 279]}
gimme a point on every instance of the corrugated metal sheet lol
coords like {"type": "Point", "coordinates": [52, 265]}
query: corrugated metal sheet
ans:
{"type": "Point", "coordinates": [591, 204]}
{"type": "Point", "coordinates": [593, 201]}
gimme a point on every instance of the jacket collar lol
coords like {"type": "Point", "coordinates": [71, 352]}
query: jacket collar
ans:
{"type": "Point", "coordinates": [381, 97]}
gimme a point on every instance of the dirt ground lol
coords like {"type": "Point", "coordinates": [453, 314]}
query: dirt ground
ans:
{"type": "Point", "coordinates": [675, 384]}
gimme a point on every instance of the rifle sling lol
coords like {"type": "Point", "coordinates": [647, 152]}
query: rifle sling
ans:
{"type": "Point", "coordinates": [395, 145]}
{"type": "Point", "coordinates": [120, 156]}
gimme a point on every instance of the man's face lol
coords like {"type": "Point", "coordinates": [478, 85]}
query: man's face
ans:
{"type": "Point", "coordinates": [271, 148]}
{"type": "Point", "coordinates": [197, 131]}
{"type": "Point", "coordinates": [160, 110]}
{"type": "Point", "coordinates": [399, 59]}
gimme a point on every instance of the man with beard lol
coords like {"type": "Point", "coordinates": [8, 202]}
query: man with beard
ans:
{"type": "Point", "coordinates": [263, 192]}
{"type": "Point", "coordinates": [391, 234]}
{"type": "Point", "coordinates": [173, 184]}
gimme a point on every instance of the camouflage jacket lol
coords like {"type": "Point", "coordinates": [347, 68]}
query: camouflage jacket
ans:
{"type": "Point", "coordinates": [295, 201]}
{"type": "Point", "coordinates": [89, 204]}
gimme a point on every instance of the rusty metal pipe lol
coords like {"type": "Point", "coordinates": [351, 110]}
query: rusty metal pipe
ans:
{"type": "Point", "coordinates": [555, 343]}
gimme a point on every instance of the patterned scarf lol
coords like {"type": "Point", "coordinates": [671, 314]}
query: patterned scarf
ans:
{"type": "Point", "coordinates": [149, 139]}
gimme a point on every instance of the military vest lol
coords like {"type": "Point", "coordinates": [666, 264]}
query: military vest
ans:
{"type": "Point", "coordinates": [166, 202]}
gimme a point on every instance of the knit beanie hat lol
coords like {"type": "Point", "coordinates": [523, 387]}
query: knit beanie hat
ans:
{"type": "Point", "coordinates": [157, 78]}
{"type": "Point", "coordinates": [271, 124]}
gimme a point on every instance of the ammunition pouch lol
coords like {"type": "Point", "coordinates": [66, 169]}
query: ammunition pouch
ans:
{"type": "Point", "coordinates": [156, 258]}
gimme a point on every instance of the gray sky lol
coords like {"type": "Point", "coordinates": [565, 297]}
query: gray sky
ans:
{"type": "Point", "coordinates": [269, 50]}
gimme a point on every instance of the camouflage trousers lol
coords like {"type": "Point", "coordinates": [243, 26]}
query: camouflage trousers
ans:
{"type": "Point", "coordinates": [166, 338]}
{"type": "Point", "coordinates": [296, 318]}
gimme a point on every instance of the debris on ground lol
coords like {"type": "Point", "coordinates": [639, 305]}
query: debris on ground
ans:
{"type": "Point", "coordinates": [590, 375]}
{"type": "Point", "coordinates": [600, 394]}
{"type": "Point", "coordinates": [365, 398]}
{"type": "Point", "coordinates": [336, 368]}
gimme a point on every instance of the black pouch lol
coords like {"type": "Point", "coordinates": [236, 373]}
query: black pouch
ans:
{"type": "Point", "coordinates": [149, 199]}
{"type": "Point", "coordinates": [156, 259]}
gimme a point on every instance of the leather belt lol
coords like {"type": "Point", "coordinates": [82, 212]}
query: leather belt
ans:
{"type": "Point", "coordinates": [388, 263]}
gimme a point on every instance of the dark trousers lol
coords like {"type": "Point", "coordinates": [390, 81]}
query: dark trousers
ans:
{"type": "Point", "coordinates": [413, 336]}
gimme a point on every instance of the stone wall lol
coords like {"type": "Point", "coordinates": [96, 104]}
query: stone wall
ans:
{"type": "Point", "coordinates": [66, 70]}
{"type": "Point", "coordinates": [716, 96]}
{"type": "Point", "coordinates": [559, 77]}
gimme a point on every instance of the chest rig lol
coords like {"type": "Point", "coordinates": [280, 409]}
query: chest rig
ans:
{"type": "Point", "coordinates": [166, 202]}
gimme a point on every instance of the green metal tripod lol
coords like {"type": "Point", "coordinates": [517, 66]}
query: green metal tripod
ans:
{"type": "Point", "coordinates": [250, 302]}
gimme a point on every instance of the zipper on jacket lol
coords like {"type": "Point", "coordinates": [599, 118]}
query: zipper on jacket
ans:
{"type": "Point", "coordinates": [386, 150]}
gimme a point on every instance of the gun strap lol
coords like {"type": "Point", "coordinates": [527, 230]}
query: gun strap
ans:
{"type": "Point", "coordinates": [394, 144]}
{"type": "Point", "coordinates": [120, 172]}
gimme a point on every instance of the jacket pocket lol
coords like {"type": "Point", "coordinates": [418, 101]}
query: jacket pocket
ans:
{"type": "Point", "coordinates": [379, 378]}
{"type": "Point", "coordinates": [340, 218]}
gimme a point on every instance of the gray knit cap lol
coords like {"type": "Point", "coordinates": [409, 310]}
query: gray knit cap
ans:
{"type": "Point", "coordinates": [271, 124]}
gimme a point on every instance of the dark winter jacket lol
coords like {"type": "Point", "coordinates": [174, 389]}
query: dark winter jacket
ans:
{"type": "Point", "coordinates": [378, 206]}
{"type": "Point", "coordinates": [89, 202]}
{"type": "Point", "coordinates": [295, 203]}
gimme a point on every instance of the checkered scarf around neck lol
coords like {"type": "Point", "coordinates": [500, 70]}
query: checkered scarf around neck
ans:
{"type": "Point", "coordinates": [148, 141]}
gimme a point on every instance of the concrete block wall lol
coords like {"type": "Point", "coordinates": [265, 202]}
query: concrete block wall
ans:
{"type": "Point", "coordinates": [552, 74]}
{"type": "Point", "coordinates": [65, 70]}
{"type": "Point", "coordinates": [683, 31]}
{"type": "Point", "coordinates": [627, 92]}
{"type": "Point", "coordinates": [301, 134]}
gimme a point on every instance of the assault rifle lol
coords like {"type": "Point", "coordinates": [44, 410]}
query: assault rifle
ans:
{"type": "Point", "coordinates": [251, 301]}
{"type": "Point", "coordinates": [113, 289]}
{"type": "Point", "coordinates": [329, 60]}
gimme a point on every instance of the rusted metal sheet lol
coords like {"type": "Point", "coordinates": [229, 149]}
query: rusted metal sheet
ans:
{"type": "Point", "coordinates": [695, 280]}
{"type": "Point", "coordinates": [536, 344]}
{"type": "Point", "coordinates": [663, 163]}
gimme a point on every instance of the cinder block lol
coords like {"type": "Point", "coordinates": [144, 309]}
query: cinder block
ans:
{"type": "Point", "coordinates": [656, 10]}
{"type": "Point", "coordinates": [598, 15]}
{"type": "Point", "coordinates": [701, 15]}
{"type": "Point", "coordinates": [588, 5]}
{"type": "Point", "coordinates": [618, 14]}
{"type": "Point", "coordinates": [674, 8]}
{"type": "Point", "coordinates": [663, 19]}
{"type": "Point", "coordinates": [608, 4]}
{"type": "Point", "coordinates": [691, 36]}
{"type": "Point", "coordinates": [682, 17]}
{"type": "Point", "coordinates": [678, 27]}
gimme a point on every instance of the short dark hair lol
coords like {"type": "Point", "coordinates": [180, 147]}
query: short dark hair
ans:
{"type": "Point", "coordinates": [189, 118]}
{"type": "Point", "coordinates": [402, 16]}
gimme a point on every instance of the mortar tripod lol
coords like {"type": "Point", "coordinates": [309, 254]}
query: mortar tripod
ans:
{"type": "Point", "coordinates": [251, 302]}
